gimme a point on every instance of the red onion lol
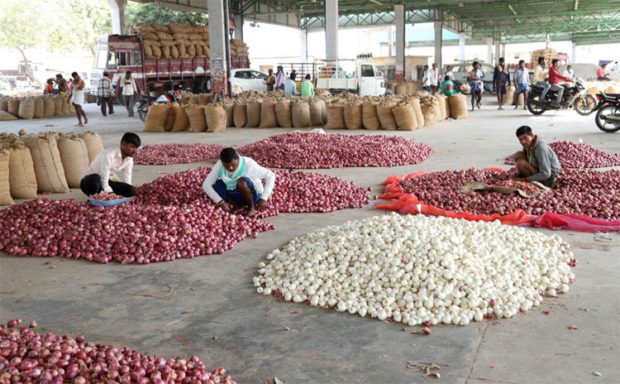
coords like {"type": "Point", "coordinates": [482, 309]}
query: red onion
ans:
{"type": "Point", "coordinates": [163, 154]}
{"type": "Point", "coordinates": [589, 192]}
{"type": "Point", "coordinates": [105, 196]}
{"type": "Point", "coordinates": [575, 155]}
{"type": "Point", "coordinates": [316, 150]}
{"type": "Point", "coordinates": [88, 362]}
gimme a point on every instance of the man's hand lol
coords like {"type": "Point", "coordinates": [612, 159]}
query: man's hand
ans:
{"type": "Point", "coordinates": [262, 204]}
{"type": "Point", "coordinates": [519, 178]}
{"type": "Point", "coordinates": [227, 207]}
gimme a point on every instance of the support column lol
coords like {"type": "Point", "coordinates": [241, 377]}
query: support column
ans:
{"type": "Point", "coordinates": [218, 30]}
{"type": "Point", "coordinates": [303, 37]}
{"type": "Point", "coordinates": [490, 50]}
{"type": "Point", "coordinates": [497, 51]}
{"type": "Point", "coordinates": [331, 29]}
{"type": "Point", "coordinates": [399, 12]}
{"type": "Point", "coordinates": [238, 27]}
{"type": "Point", "coordinates": [504, 51]}
{"type": "Point", "coordinates": [117, 9]}
{"type": "Point", "coordinates": [573, 52]}
{"type": "Point", "coordinates": [438, 43]}
{"type": "Point", "coordinates": [461, 46]}
{"type": "Point", "coordinates": [390, 41]}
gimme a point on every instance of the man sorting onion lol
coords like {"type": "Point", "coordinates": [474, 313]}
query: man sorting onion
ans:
{"type": "Point", "coordinates": [235, 184]}
{"type": "Point", "coordinates": [537, 161]}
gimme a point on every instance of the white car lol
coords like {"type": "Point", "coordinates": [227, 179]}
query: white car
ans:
{"type": "Point", "coordinates": [248, 79]}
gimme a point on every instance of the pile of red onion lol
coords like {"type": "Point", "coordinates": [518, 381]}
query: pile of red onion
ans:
{"type": "Point", "coordinates": [588, 192]}
{"type": "Point", "coordinates": [164, 154]}
{"type": "Point", "coordinates": [30, 357]}
{"type": "Point", "coordinates": [574, 155]}
{"type": "Point", "coordinates": [317, 150]}
{"type": "Point", "coordinates": [105, 196]}
{"type": "Point", "coordinates": [526, 187]}
{"type": "Point", "coordinates": [170, 218]}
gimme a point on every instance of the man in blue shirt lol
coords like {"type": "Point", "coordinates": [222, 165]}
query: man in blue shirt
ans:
{"type": "Point", "coordinates": [522, 83]}
{"type": "Point", "coordinates": [290, 87]}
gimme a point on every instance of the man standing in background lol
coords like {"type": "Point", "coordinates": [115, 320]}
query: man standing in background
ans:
{"type": "Point", "coordinates": [426, 79]}
{"type": "Point", "coordinates": [522, 83]}
{"type": "Point", "coordinates": [569, 72]}
{"type": "Point", "coordinates": [104, 93]}
{"type": "Point", "coordinates": [280, 78]}
{"type": "Point", "coordinates": [271, 80]}
{"type": "Point", "coordinates": [434, 78]}
{"type": "Point", "coordinates": [501, 79]}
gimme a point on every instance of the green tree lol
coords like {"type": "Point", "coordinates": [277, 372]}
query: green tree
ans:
{"type": "Point", "coordinates": [88, 19]}
{"type": "Point", "coordinates": [152, 13]}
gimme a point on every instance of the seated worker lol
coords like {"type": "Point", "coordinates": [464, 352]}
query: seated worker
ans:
{"type": "Point", "coordinates": [447, 85]}
{"type": "Point", "coordinates": [113, 161]}
{"type": "Point", "coordinates": [290, 87]}
{"type": "Point", "coordinates": [307, 89]}
{"type": "Point", "coordinates": [235, 182]}
{"type": "Point", "coordinates": [49, 87]}
{"type": "Point", "coordinates": [537, 161]}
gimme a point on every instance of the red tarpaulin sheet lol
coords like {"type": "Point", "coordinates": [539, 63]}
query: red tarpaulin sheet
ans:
{"type": "Point", "coordinates": [403, 202]}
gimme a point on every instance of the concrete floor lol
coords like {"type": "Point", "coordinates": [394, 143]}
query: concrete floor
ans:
{"type": "Point", "coordinates": [143, 306]}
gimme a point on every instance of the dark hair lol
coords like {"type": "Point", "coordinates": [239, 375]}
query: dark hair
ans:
{"type": "Point", "coordinates": [540, 58]}
{"type": "Point", "coordinates": [293, 75]}
{"type": "Point", "coordinates": [74, 74]}
{"type": "Point", "coordinates": [58, 75]}
{"type": "Point", "coordinates": [475, 63]}
{"type": "Point", "coordinates": [131, 138]}
{"type": "Point", "coordinates": [524, 130]}
{"type": "Point", "coordinates": [105, 74]}
{"type": "Point", "coordinates": [554, 61]}
{"type": "Point", "coordinates": [426, 66]}
{"type": "Point", "coordinates": [501, 60]}
{"type": "Point", "coordinates": [228, 154]}
{"type": "Point", "coordinates": [270, 70]}
{"type": "Point", "coordinates": [603, 65]}
{"type": "Point", "coordinates": [521, 61]}
{"type": "Point", "coordinates": [127, 74]}
{"type": "Point", "coordinates": [308, 77]}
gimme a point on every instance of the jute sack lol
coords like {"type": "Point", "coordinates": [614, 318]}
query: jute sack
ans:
{"type": "Point", "coordinates": [386, 117]}
{"type": "Point", "coordinates": [442, 106]}
{"type": "Point", "coordinates": [400, 89]}
{"type": "Point", "coordinates": [5, 190]}
{"type": "Point", "coordinates": [411, 88]}
{"type": "Point", "coordinates": [181, 121]}
{"type": "Point", "coordinates": [593, 91]}
{"type": "Point", "coordinates": [229, 107]}
{"type": "Point", "coordinates": [38, 108]}
{"type": "Point", "coordinates": [13, 107]}
{"type": "Point", "coordinates": [405, 117]}
{"type": "Point", "coordinates": [268, 114]}
{"type": "Point", "coordinates": [283, 113]}
{"type": "Point", "coordinates": [509, 97]}
{"type": "Point", "coordinates": [58, 106]}
{"type": "Point", "coordinates": [317, 108]}
{"type": "Point", "coordinates": [521, 99]}
{"type": "Point", "coordinates": [4, 104]}
{"type": "Point", "coordinates": [93, 142]}
{"type": "Point", "coordinates": [458, 106]}
{"type": "Point", "coordinates": [353, 115]}
{"type": "Point", "coordinates": [610, 90]}
{"type": "Point", "coordinates": [74, 158]}
{"type": "Point", "coordinates": [22, 180]}
{"type": "Point", "coordinates": [370, 119]}
{"type": "Point", "coordinates": [66, 106]}
{"type": "Point", "coordinates": [335, 116]}
{"type": "Point", "coordinates": [253, 110]}
{"type": "Point", "coordinates": [430, 113]}
{"type": "Point", "coordinates": [47, 163]}
{"type": "Point", "coordinates": [204, 98]}
{"type": "Point", "coordinates": [215, 117]}
{"type": "Point", "coordinates": [240, 115]}
{"type": "Point", "coordinates": [196, 116]}
{"type": "Point", "coordinates": [172, 114]}
{"type": "Point", "coordinates": [156, 118]}
{"type": "Point", "coordinates": [5, 116]}
{"type": "Point", "coordinates": [48, 107]}
{"type": "Point", "coordinates": [300, 112]}
{"type": "Point", "coordinates": [437, 108]}
{"type": "Point", "coordinates": [417, 108]}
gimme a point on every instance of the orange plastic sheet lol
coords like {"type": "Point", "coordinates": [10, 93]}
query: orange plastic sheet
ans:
{"type": "Point", "coordinates": [398, 200]}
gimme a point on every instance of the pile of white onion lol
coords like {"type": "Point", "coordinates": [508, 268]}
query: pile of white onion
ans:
{"type": "Point", "coordinates": [419, 269]}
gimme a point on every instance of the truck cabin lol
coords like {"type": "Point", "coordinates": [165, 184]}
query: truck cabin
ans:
{"type": "Point", "coordinates": [118, 57]}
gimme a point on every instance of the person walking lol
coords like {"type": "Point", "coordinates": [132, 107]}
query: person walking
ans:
{"type": "Point", "coordinates": [475, 78]}
{"type": "Point", "coordinates": [104, 93]}
{"type": "Point", "coordinates": [76, 97]}
{"type": "Point", "coordinates": [501, 79]}
{"type": "Point", "coordinates": [426, 80]}
{"type": "Point", "coordinates": [307, 88]}
{"type": "Point", "coordinates": [129, 89]}
{"type": "Point", "coordinates": [290, 87]}
{"type": "Point", "coordinates": [271, 80]}
{"type": "Point", "coordinates": [522, 81]}
{"type": "Point", "coordinates": [280, 78]}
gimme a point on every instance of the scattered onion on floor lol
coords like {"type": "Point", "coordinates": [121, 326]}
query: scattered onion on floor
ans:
{"type": "Point", "coordinates": [317, 150]}
{"type": "Point", "coordinates": [30, 357]}
{"type": "Point", "coordinates": [165, 154]}
{"type": "Point", "coordinates": [418, 269]}
{"type": "Point", "coordinates": [579, 155]}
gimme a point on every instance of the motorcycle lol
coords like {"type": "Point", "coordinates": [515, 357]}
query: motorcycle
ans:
{"type": "Point", "coordinates": [574, 96]}
{"type": "Point", "coordinates": [172, 96]}
{"type": "Point", "coordinates": [608, 116]}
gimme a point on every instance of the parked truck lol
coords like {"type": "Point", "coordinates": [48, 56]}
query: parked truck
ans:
{"type": "Point", "coordinates": [117, 54]}
{"type": "Point", "coordinates": [365, 80]}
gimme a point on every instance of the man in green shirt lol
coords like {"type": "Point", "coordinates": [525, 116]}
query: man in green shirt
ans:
{"type": "Point", "coordinates": [307, 89]}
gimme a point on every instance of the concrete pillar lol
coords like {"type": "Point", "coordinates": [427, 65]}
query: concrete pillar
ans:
{"type": "Point", "coordinates": [331, 29]}
{"type": "Point", "coordinates": [573, 52]}
{"type": "Point", "coordinates": [303, 38]}
{"type": "Point", "coordinates": [238, 27]}
{"type": "Point", "coordinates": [399, 12]}
{"type": "Point", "coordinates": [390, 41]}
{"type": "Point", "coordinates": [218, 30]}
{"type": "Point", "coordinates": [461, 46]}
{"type": "Point", "coordinates": [438, 43]}
{"type": "Point", "coordinates": [490, 50]}
{"type": "Point", "coordinates": [117, 9]}
{"type": "Point", "coordinates": [504, 51]}
{"type": "Point", "coordinates": [497, 51]}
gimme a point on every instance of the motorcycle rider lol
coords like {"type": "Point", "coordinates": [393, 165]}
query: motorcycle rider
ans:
{"type": "Point", "coordinates": [540, 77]}
{"type": "Point", "coordinates": [554, 80]}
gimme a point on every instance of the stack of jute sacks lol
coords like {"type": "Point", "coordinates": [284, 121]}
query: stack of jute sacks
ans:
{"type": "Point", "coordinates": [609, 87]}
{"type": "Point", "coordinates": [35, 107]}
{"type": "Point", "coordinates": [509, 97]}
{"type": "Point", "coordinates": [271, 110]}
{"type": "Point", "coordinates": [173, 41]}
{"type": "Point", "coordinates": [49, 162]}
{"type": "Point", "coordinates": [548, 53]}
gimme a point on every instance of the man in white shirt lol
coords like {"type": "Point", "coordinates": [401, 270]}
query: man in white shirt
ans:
{"type": "Point", "coordinates": [434, 77]}
{"type": "Point", "coordinates": [426, 79]}
{"type": "Point", "coordinates": [235, 182]}
{"type": "Point", "coordinates": [569, 72]}
{"type": "Point", "coordinates": [113, 161]}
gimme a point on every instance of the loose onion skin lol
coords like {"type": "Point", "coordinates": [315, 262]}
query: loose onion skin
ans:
{"type": "Point", "coordinates": [316, 150]}
{"type": "Point", "coordinates": [164, 154]}
{"type": "Point", "coordinates": [29, 357]}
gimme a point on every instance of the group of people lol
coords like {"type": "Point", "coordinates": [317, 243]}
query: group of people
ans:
{"type": "Point", "coordinates": [57, 86]}
{"type": "Point", "coordinates": [289, 86]}
{"type": "Point", "coordinates": [126, 86]}
{"type": "Point", "coordinates": [74, 88]}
